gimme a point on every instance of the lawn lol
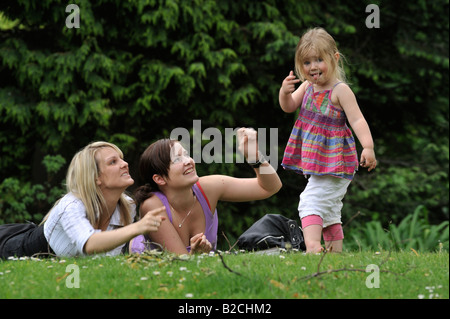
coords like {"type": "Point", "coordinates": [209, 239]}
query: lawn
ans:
{"type": "Point", "coordinates": [282, 275]}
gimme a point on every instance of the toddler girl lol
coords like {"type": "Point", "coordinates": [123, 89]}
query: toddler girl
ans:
{"type": "Point", "coordinates": [321, 146]}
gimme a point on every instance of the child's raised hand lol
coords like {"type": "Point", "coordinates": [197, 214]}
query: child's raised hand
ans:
{"type": "Point", "coordinates": [288, 85]}
{"type": "Point", "coordinates": [368, 159]}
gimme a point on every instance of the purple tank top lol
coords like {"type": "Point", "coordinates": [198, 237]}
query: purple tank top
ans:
{"type": "Point", "coordinates": [211, 220]}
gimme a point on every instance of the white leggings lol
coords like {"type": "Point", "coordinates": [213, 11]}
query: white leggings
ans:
{"type": "Point", "coordinates": [323, 196]}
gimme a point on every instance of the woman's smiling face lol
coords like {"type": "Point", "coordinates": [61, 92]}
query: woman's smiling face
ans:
{"type": "Point", "coordinates": [181, 164]}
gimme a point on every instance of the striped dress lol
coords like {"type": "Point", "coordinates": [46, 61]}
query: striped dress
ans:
{"type": "Point", "coordinates": [321, 143]}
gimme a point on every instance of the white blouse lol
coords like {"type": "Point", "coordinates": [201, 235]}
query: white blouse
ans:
{"type": "Point", "coordinates": [67, 228]}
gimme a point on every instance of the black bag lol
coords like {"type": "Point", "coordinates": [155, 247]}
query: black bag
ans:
{"type": "Point", "coordinates": [271, 231]}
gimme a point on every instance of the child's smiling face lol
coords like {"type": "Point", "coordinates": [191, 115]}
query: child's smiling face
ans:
{"type": "Point", "coordinates": [315, 68]}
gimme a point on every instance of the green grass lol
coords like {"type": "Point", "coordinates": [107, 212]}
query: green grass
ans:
{"type": "Point", "coordinates": [404, 274]}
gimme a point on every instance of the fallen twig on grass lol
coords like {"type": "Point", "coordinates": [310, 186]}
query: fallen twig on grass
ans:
{"type": "Point", "coordinates": [329, 271]}
{"type": "Point", "coordinates": [159, 256]}
{"type": "Point", "coordinates": [38, 255]}
{"type": "Point", "coordinates": [229, 244]}
{"type": "Point", "coordinates": [329, 249]}
{"type": "Point", "coordinates": [155, 256]}
{"type": "Point", "coordinates": [226, 266]}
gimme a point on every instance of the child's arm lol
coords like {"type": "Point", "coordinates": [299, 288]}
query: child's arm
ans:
{"type": "Point", "coordinates": [347, 101]}
{"type": "Point", "coordinates": [289, 98]}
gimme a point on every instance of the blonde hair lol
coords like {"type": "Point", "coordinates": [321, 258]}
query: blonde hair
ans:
{"type": "Point", "coordinates": [81, 178]}
{"type": "Point", "coordinates": [323, 44]}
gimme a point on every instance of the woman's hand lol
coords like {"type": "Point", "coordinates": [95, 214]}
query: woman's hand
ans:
{"type": "Point", "coordinates": [100, 242]}
{"type": "Point", "coordinates": [199, 244]}
{"type": "Point", "coordinates": [151, 220]}
{"type": "Point", "coordinates": [248, 143]}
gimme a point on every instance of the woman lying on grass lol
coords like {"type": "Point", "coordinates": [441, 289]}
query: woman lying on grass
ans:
{"type": "Point", "coordinates": [191, 216]}
{"type": "Point", "coordinates": [95, 216]}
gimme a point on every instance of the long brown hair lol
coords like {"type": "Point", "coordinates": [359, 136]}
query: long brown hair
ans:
{"type": "Point", "coordinates": [154, 160]}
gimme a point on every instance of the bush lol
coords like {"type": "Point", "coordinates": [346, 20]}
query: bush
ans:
{"type": "Point", "coordinates": [413, 232]}
{"type": "Point", "coordinates": [23, 201]}
{"type": "Point", "coordinates": [135, 70]}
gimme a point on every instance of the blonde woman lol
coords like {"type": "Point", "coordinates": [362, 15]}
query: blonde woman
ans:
{"type": "Point", "coordinates": [95, 216]}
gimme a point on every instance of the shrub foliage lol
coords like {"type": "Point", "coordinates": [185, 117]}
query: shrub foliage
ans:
{"type": "Point", "coordinates": [135, 70]}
